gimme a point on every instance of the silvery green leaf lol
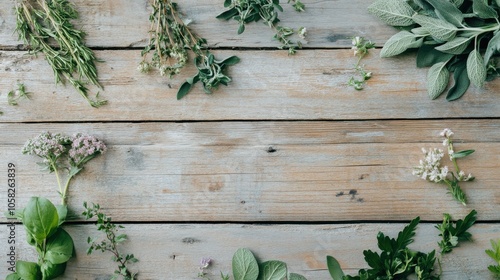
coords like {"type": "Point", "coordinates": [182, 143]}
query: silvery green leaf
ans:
{"type": "Point", "coordinates": [439, 29]}
{"type": "Point", "coordinates": [455, 46]}
{"type": "Point", "coordinates": [457, 3]}
{"type": "Point", "coordinates": [245, 266]}
{"type": "Point", "coordinates": [476, 68]}
{"type": "Point", "coordinates": [420, 31]}
{"type": "Point", "coordinates": [399, 43]}
{"type": "Point", "coordinates": [437, 79]}
{"type": "Point", "coordinates": [482, 10]}
{"type": "Point", "coordinates": [447, 11]}
{"type": "Point", "coordinates": [272, 270]}
{"type": "Point", "coordinates": [492, 48]}
{"type": "Point", "coordinates": [392, 12]}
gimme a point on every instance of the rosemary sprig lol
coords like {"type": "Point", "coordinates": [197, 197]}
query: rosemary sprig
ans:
{"type": "Point", "coordinates": [169, 42]}
{"type": "Point", "coordinates": [40, 22]}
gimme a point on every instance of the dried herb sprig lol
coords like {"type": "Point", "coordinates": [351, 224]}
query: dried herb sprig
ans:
{"type": "Point", "coordinates": [247, 11]}
{"type": "Point", "coordinates": [46, 27]}
{"type": "Point", "coordinates": [169, 43]}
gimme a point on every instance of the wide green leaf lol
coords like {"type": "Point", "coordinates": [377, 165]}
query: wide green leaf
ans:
{"type": "Point", "coordinates": [273, 270]}
{"type": "Point", "coordinates": [13, 276]}
{"type": "Point", "coordinates": [59, 248]}
{"type": "Point", "coordinates": [438, 28]}
{"type": "Point", "coordinates": [245, 266]}
{"type": "Point", "coordinates": [295, 276]}
{"type": "Point", "coordinates": [427, 56]}
{"type": "Point", "coordinates": [462, 82]}
{"type": "Point", "coordinates": [476, 68]}
{"type": "Point", "coordinates": [492, 48]}
{"type": "Point", "coordinates": [334, 268]}
{"type": "Point", "coordinates": [437, 79]}
{"type": "Point", "coordinates": [482, 10]}
{"type": "Point", "coordinates": [28, 270]}
{"type": "Point", "coordinates": [52, 271]}
{"type": "Point", "coordinates": [40, 218]}
{"type": "Point", "coordinates": [399, 43]}
{"type": "Point", "coordinates": [447, 11]}
{"type": "Point", "coordinates": [455, 46]}
{"type": "Point", "coordinates": [393, 12]}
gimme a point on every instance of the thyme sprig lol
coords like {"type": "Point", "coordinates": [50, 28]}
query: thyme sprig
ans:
{"type": "Point", "coordinates": [40, 22]}
{"type": "Point", "coordinates": [169, 44]}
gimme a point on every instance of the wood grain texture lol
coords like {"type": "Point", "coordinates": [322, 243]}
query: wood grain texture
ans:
{"type": "Point", "coordinates": [167, 251]}
{"type": "Point", "coordinates": [265, 171]}
{"type": "Point", "coordinates": [267, 85]}
{"type": "Point", "coordinates": [124, 24]}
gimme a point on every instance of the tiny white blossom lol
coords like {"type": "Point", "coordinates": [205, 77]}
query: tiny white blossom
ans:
{"type": "Point", "coordinates": [446, 133]}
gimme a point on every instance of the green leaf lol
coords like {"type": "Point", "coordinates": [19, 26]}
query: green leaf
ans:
{"type": "Point", "coordinates": [462, 82]}
{"type": "Point", "coordinates": [272, 270]}
{"type": "Point", "coordinates": [245, 266]}
{"type": "Point", "coordinates": [241, 28]}
{"type": "Point", "coordinates": [227, 3]}
{"type": "Point", "coordinates": [439, 29]}
{"type": "Point", "coordinates": [405, 237]}
{"type": "Point", "coordinates": [455, 46]}
{"type": "Point", "coordinates": [120, 238]}
{"type": "Point", "coordinates": [428, 56]}
{"type": "Point", "coordinates": [399, 43]}
{"type": "Point", "coordinates": [437, 79]}
{"type": "Point", "coordinates": [227, 15]}
{"type": "Point", "coordinates": [59, 247]}
{"type": "Point", "coordinates": [482, 10]}
{"type": "Point", "coordinates": [492, 48]}
{"type": "Point", "coordinates": [28, 270]}
{"type": "Point", "coordinates": [476, 68]}
{"type": "Point", "coordinates": [62, 212]}
{"type": "Point", "coordinates": [40, 218]}
{"type": "Point", "coordinates": [231, 60]}
{"type": "Point", "coordinates": [463, 153]}
{"type": "Point", "coordinates": [393, 12]}
{"type": "Point", "coordinates": [13, 276]}
{"type": "Point", "coordinates": [334, 268]}
{"type": "Point", "coordinates": [447, 11]}
{"type": "Point", "coordinates": [295, 276]}
{"type": "Point", "coordinates": [52, 271]}
{"type": "Point", "coordinates": [184, 90]}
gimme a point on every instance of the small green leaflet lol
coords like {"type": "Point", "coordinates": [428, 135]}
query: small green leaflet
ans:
{"type": "Point", "coordinates": [482, 10]}
{"type": "Point", "coordinates": [393, 12]}
{"type": "Point", "coordinates": [399, 43]}
{"type": "Point", "coordinates": [438, 28]}
{"type": "Point", "coordinates": [476, 68]}
{"type": "Point", "coordinates": [437, 79]}
{"type": "Point", "coordinates": [455, 46]}
{"type": "Point", "coordinates": [245, 266]}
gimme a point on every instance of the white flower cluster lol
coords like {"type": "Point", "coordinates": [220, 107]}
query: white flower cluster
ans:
{"type": "Point", "coordinates": [430, 167]}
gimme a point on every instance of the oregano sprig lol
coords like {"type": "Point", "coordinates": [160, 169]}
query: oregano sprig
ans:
{"type": "Point", "coordinates": [46, 26]}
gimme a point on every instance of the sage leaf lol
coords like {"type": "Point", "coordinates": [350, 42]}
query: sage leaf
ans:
{"type": "Point", "coordinates": [492, 48]}
{"type": "Point", "coordinates": [28, 270]}
{"type": "Point", "coordinates": [437, 79]}
{"type": "Point", "coordinates": [476, 68]}
{"type": "Point", "coordinates": [438, 28]}
{"type": "Point", "coordinates": [59, 247]}
{"type": "Point", "coordinates": [455, 46]}
{"type": "Point", "coordinates": [457, 3]}
{"type": "Point", "coordinates": [428, 56]}
{"type": "Point", "coordinates": [482, 10]}
{"type": "Point", "coordinates": [447, 11]}
{"type": "Point", "coordinates": [295, 276]}
{"type": "Point", "coordinates": [463, 153]}
{"type": "Point", "coordinates": [334, 268]}
{"type": "Point", "coordinates": [245, 266]}
{"type": "Point", "coordinates": [420, 31]}
{"type": "Point", "coordinates": [392, 12]}
{"type": "Point", "coordinates": [273, 270]}
{"type": "Point", "coordinates": [40, 218]}
{"type": "Point", "coordinates": [462, 82]}
{"type": "Point", "coordinates": [399, 43]}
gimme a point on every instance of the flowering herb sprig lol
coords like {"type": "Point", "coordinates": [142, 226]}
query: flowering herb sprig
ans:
{"type": "Point", "coordinates": [62, 153]}
{"type": "Point", "coordinates": [14, 95]}
{"type": "Point", "coordinates": [247, 11]}
{"type": "Point", "coordinates": [430, 167]}
{"type": "Point", "coordinates": [46, 26]}
{"type": "Point", "coordinates": [169, 43]}
{"type": "Point", "coordinates": [360, 46]}
{"type": "Point", "coordinates": [111, 243]}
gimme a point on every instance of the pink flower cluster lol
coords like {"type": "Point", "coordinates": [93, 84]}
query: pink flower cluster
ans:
{"type": "Point", "coordinates": [47, 145]}
{"type": "Point", "coordinates": [84, 148]}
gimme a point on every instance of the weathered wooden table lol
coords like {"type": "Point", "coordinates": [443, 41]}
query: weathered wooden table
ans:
{"type": "Point", "coordinates": [260, 163]}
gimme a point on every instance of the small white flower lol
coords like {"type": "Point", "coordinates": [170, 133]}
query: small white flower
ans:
{"type": "Point", "coordinates": [446, 133]}
{"type": "Point", "coordinates": [302, 32]}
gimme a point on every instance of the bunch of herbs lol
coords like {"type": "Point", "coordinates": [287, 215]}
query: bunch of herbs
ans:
{"type": "Point", "coordinates": [460, 37]}
{"type": "Point", "coordinates": [46, 26]}
{"type": "Point", "coordinates": [169, 42]}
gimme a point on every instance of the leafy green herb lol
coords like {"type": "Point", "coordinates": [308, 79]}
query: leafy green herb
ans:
{"type": "Point", "coordinates": [495, 255]}
{"type": "Point", "coordinates": [360, 47]}
{"type": "Point", "coordinates": [459, 37]}
{"type": "Point", "coordinates": [453, 234]}
{"type": "Point", "coordinates": [113, 239]}
{"type": "Point", "coordinates": [14, 95]}
{"type": "Point", "coordinates": [169, 43]}
{"type": "Point", "coordinates": [247, 11]}
{"type": "Point", "coordinates": [46, 26]}
{"type": "Point", "coordinates": [396, 261]}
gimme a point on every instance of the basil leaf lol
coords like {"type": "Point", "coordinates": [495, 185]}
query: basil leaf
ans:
{"type": "Point", "coordinates": [62, 212]}
{"type": "Point", "coordinates": [428, 56]}
{"type": "Point", "coordinates": [28, 270]}
{"type": "Point", "coordinates": [13, 276]}
{"type": "Point", "coordinates": [462, 82]}
{"type": "Point", "coordinates": [439, 29]}
{"type": "Point", "coordinates": [492, 48]}
{"type": "Point", "coordinates": [399, 43]}
{"type": "Point", "coordinates": [40, 218]}
{"type": "Point", "coordinates": [437, 79]}
{"type": "Point", "coordinates": [392, 12]}
{"type": "Point", "coordinates": [463, 153]}
{"type": "Point", "coordinates": [482, 10]}
{"type": "Point", "coordinates": [272, 270]}
{"type": "Point", "coordinates": [455, 46]}
{"type": "Point", "coordinates": [447, 12]}
{"type": "Point", "coordinates": [334, 268]}
{"type": "Point", "coordinates": [59, 247]}
{"type": "Point", "coordinates": [245, 266]}
{"type": "Point", "coordinates": [295, 276]}
{"type": "Point", "coordinates": [51, 271]}
{"type": "Point", "coordinates": [476, 68]}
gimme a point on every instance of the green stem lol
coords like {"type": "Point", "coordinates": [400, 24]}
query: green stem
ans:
{"type": "Point", "coordinates": [63, 194]}
{"type": "Point", "coordinates": [54, 167]}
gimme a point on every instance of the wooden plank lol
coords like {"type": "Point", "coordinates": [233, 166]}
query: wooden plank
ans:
{"type": "Point", "coordinates": [124, 23]}
{"type": "Point", "coordinates": [265, 171]}
{"type": "Point", "coordinates": [310, 86]}
{"type": "Point", "coordinates": [167, 251]}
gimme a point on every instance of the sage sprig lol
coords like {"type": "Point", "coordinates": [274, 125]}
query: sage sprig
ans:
{"type": "Point", "coordinates": [247, 11]}
{"type": "Point", "coordinates": [46, 26]}
{"type": "Point", "coordinates": [167, 51]}
{"type": "Point", "coordinates": [460, 37]}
